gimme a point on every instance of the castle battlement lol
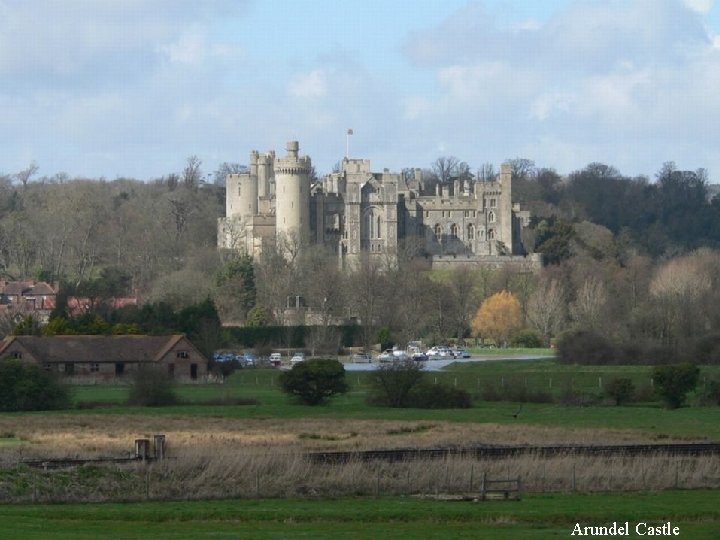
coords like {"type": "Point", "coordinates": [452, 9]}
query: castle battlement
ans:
{"type": "Point", "coordinates": [360, 214]}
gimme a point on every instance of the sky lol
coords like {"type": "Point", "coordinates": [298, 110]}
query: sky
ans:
{"type": "Point", "coordinates": [132, 88]}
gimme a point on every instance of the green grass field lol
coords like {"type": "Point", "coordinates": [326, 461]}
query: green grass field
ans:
{"type": "Point", "coordinates": [546, 375]}
{"type": "Point", "coordinates": [696, 513]}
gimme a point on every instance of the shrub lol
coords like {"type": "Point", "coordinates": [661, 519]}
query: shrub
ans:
{"type": "Point", "coordinates": [392, 383]}
{"type": "Point", "coordinates": [26, 387]}
{"type": "Point", "coordinates": [620, 389]}
{"type": "Point", "coordinates": [314, 381]}
{"type": "Point", "coordinates": [438, 396]}
{"type": "Point", "coordinates": [584, 347]}
{"type": "Point", "coordinates": [673, 383]}
{"type": "Point", "coordinates": [711, 392]}
{"type": "Point", "coordinates": [152, 387]}
{"type": "Point", "coordinates": [403, 384]}
{"type": "Point", "coordinates": [527, 338]}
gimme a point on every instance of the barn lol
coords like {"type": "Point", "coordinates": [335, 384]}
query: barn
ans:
{"type": "Point", "coordinates": [96, 358]}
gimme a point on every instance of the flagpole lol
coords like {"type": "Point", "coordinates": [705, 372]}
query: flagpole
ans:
{"type": "Point", "coordinates": [347, 143]}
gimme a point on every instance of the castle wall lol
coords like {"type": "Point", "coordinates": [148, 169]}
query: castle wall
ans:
{"type": "Point", "coordinates": [365, 214]}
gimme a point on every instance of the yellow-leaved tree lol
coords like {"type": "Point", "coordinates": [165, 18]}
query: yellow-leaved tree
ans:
{"type": "Point", "coordinates": [498, 317]}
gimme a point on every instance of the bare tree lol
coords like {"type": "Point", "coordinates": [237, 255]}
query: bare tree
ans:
{"type": "Point", "coordinates": [545, 308]}
{"type": "Point", "coordinates": [226, 168]}
{"type": "Point", "coordinates": [27, 173]}
{"type": "Point", "coordinates": [486, 172]}
{"type": "Point", "coordinates": [191, 174]}
{"type": "Point", "coordinates": [445, 167]}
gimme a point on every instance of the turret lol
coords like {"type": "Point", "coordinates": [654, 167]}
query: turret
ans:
{"type": "Point", "coordinates": [292, 193]}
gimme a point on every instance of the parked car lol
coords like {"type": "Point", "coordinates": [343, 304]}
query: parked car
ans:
{"type": "Point", "coordinates": [419, 356]}
{"type": "Point", "coordinates": [275, 359]}
{"type": "Point", "coordinates": [249, 359]}
{"type": "Point", "coordinates": [439, 353]}
{"type": "Point", "coordinates": [361, 358]}
{"type": "Point", "coordinates": [460, 353]}
{"type": "Point", "coordinates": [386, 356]}
{"type": "Point", "coordinates": [297, 358]}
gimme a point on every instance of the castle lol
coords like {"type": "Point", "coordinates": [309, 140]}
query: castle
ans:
{"type": "Point", "coordinates": [360, 214]}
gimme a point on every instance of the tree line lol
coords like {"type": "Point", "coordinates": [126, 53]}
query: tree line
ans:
{"type": "Point", "coordinates": [629, 261]}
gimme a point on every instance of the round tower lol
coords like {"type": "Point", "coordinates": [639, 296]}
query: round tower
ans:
{"type": "Point", "coordinates": [241, 195]}
{"type": "Point", "coordinates": [292, 194]}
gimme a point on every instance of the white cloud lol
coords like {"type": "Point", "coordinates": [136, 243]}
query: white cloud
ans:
{"type": "Point", "coordinates": [701, 6]}
{"type": "Point", "coordinates": [311, 85]}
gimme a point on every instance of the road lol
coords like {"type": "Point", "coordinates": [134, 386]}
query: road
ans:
{"type": "Point", "coordinates": [437, 365]}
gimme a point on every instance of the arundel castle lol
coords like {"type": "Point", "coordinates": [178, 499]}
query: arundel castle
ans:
{"type": "Point", "coordinates": [360, 214]}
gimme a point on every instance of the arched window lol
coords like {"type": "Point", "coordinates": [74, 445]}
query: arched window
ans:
{"type": "Point", "coordinates": [454, 230]}
{"type": "Point", "coordinates": [491, 217]}
{"type": "Point", "coordinates": [378, 228]}
{"type": "Point", "coordinates": [471, 232]}
{"type": "Point", "coordinates": [491, 234]}
{"type": "Point", "coordinates": [438, 231]}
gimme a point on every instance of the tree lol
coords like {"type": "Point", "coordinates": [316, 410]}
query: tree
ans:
{"type": "Point", "coordinates": [621, 389]}
{"type": "Point", "coordinates": [545, 308]}
{"type": "Point", "coordinates": [498, 317]}
{"type": "Point", "coordinates": [403, 384]}
{"type": "Point", "coordinates": [672, 383]}
{"type": "Point", "coordinates": [226, 168]}
{"type": "Point", "coordinates": [27, 173]}
{"type": "Point", "coordinates": [393, 383]}
{"type": "Point", "coordinates": [445, 167]}
{"type": "Point", "coordinates": [191, 174]}
{"type": "Point", "coordinates": [26, 387]}
{"type": "Point", "coordinates": [314, 381]}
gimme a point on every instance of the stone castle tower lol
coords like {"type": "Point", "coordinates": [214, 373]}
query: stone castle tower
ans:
{"type": "Point", "coordinates": [361, 214]}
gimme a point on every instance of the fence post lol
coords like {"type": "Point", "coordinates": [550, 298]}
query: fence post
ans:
{"type": "Point", "coordinates": [377, 483]}
{"type": "Point", "coordinates": [574, 485]}
{"type": "Point", "coordinates": [472, 471]}
{"type": "Point", "coordinates": [677, 475]}
{"type": "Point", "coordinates": [482, 487]}
{"type": "Point", "coordinates": [257, 484]}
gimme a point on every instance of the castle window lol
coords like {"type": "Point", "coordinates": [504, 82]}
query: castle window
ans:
{"type": "Point", "coordinates": [491, 234]}
{"type": "Point", "coordinates": [239, 190]}
{"type": "Point", "coordinates": [493, 203]}
{"type": "Point", "coordinates": [491, 217]}
{"type": "Point", "coordinates": [454, 230]}
{"type": "Point", "coordinates": [467, 213]}
{"type": "Point", "coordinates": [438, 231]}
{"type": "Point", "coordinates": [427, 213]}
{"type": "Point", "coordinates": [378, 228]}
{"type": "Point", "coordinates": [471, 232]}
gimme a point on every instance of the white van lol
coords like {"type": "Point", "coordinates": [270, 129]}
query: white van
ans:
{"type": "Point", "coordinates": [275, 359]}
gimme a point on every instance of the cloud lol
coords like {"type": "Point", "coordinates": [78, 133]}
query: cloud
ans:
{"type": "Point", "coordinates": [608, 75]}
{"type": "Point", "coordinates": [310, 85]}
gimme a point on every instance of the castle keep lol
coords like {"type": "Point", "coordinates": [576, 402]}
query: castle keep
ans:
{"type": "Point", "coordinates": [359, 213]}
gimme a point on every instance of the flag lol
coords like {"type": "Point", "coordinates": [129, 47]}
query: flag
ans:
{"type": "Point", "coordinates": [350, 131]}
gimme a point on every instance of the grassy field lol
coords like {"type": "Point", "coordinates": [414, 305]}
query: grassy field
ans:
{"type": "Point", "coordinates": [545, 375]}
{"type": "Point", "coordinates": [696, 513]}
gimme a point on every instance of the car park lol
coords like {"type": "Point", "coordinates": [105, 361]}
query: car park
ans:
{"type": "Point", "coordinates": [361, 358]}
{"type": "Point", "coordinates": [460, 353]}
{"type": "Point", "coordinates": [248, 359]}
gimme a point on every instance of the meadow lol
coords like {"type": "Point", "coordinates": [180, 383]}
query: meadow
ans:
{"type": "Point", "coordinates": [220, 449]}
{"type": "Point", "coordinates": [696, 513]}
